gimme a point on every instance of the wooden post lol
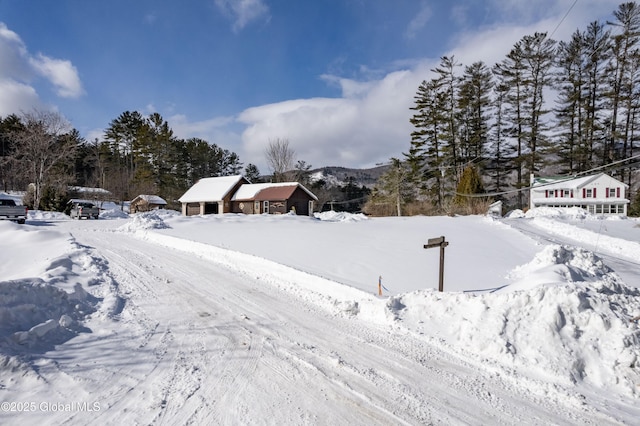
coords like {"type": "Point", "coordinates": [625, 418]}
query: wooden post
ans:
{"type": "Point", "coordinates": [439, 242]}
{"type": "Point", "coordinates": [441, 276]}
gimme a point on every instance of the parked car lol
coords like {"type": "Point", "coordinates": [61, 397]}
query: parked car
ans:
{"type": "Point", "coordinates": [10, 211]}
{"type": "Point", "coordinates": [80, 209]}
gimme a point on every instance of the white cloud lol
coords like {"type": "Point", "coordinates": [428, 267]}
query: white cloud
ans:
{"type": "Point", "coordinates": [349, 131]}
{"type": "Point", "coordinates": [13, 56]}
{"type": "Point", "coordinates": [61, 73]}
{"type": "Point", "coordinates": [242, 12]}
{"type": "Point", "coordinates": [17, 97]}
{"type": "Point", "coordinates": [19, 71]}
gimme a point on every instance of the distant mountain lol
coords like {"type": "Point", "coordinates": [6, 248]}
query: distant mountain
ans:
{"type": "Point", "coordinates": [337, 176]}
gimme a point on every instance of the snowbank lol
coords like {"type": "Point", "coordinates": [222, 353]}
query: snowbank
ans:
{"type": "Point", "coordinates": [154, 219]}
{"type": "Point", "coordinates": [37, 315]}
{"type": "Point", "coordinates": [40, 215]}
{"type": "Point", "coordinates": [559, 212]}
{"type": "Point", "coordinates": [47, 308]}
{"type": "Point", "coordinates": [332, 216]}
{"type": "Point", "coordinates": [114, 213]}
{"type": "Point", "coordinates": [566, 320]}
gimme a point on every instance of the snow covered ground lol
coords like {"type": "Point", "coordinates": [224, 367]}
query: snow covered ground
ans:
{"type": "Point", "coordinates": [234, 319]}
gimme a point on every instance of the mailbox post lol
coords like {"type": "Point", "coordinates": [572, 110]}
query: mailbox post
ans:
{"type": "Point", "coordinates": [438, 242]}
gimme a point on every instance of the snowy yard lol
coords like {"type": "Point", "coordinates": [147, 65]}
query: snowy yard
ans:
{"type": "Point", "coordinates": [234, 319]}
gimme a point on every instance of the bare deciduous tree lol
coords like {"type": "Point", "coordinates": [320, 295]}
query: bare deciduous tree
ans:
{"type": "Point", "coordinates": [43, 148]}
{"type": "Point", "coordinates": [280, 158]}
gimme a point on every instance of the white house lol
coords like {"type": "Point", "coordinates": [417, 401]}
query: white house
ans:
{"type": "Point", "coordinates": [598, 194]}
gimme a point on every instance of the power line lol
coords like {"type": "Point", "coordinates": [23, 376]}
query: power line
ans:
{"type": "Point", "coordinates": [562, 20]}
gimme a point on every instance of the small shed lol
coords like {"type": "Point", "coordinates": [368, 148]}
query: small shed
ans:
{"type": "Point", "coordinates": [145, 203]}
{"type": "Point", "coordinates": [211, 195]}
{"type": "Point", "coordinates": [274, 198]}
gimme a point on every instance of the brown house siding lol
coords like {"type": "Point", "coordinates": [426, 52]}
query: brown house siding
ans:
{"type": "Point", "coordinates": [245, 207]}
{"type": "Point", "coordinates": [298, 199]}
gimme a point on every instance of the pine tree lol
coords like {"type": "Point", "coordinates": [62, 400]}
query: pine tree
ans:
{"type": "Point", "coordinates": [162, 155]}
{"type": "Point", "coordinates": [416, 157]}
{"type": "Point", "coordinates": [251, 173]}
{"type": "Point", "coordinates": [597, 42]}
{"type": "Point", "coordinates": [446, 86]}
{"type": "Point", "coordinates": [426, 157]}
{"type": "Point", "coordinates": [474, 103]}
{"type": "Point", "coordinates": [510, 76]}
{"type": "Point", "coordinates": [123, 135]}
{"type": "Point", "coordinates": [571, 84]}
{"type": "Point", "coordinates": [538, 54]}
{"type": "Point", "coordinates": [501, 152]}
{"type": "Point", "coordinates": [10, 178]}
{"type": "Point", "coordinates": [526, 74]}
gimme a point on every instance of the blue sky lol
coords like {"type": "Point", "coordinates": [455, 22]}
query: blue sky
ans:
{"type": "Point", "coordinates": [334, 77]}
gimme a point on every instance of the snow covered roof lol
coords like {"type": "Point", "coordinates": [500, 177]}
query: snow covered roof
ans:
{"type": "Point", "coordinates": [211, 189]}
{"type": "Point", "coordinates": [569, 183]}
{"type": "Point", "coordinates": [151, 199]}
{"type": "Point", "coordinates": [269, 191]}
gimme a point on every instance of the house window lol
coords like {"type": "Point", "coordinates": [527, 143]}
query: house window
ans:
{"type": "Point", "coordinates": [598, 208]}
{"type": "Point", "coordinates": [566, 193]}
{"type": "Point", "coordinates": [265, 207]}
{"type": "Point", "coordinates": [588, 193]}
{"type": "Point", "coordinates": [611, 192]}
